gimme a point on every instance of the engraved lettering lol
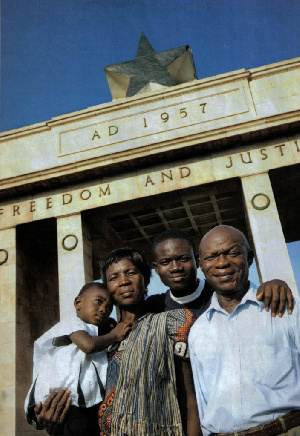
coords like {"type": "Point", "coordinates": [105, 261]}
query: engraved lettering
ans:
{"type": "Point", "coordinates": [164, 116]}
{"type": "Point", "coordinates": [297, 146]}
{"type": "Point", "coordinates": [32, 206]}
{"type": "Point", "coordinates": [107, 190]}
{"type": "Point", "coordinates": [145, 122]}
{"type": "Point", "coordinates": [96, 135]}
{"type": "Point", "coordinates": [249, 158]}
{"type": "Point", "coordinates": [149, 180]}
{"type": "Point", "coordinates": [280, 147]}
{"type": "Point", "coordinates": [16, 210]}
{"type": "Point", "coordinates": [203, 107]}
{"type": "Point", "coordinates": [112, 130]}
{"type": "Point", "coordinates": [85, 194]}
{"type": "Point", "coordinates": [163, 175]}
{"type": "Point", "coordinates": [1, 211]}
{"type": "Point", "coordinates": [183, 112]}
{"type": "Point", "coordinates": [184, 172]}
{"type": "Point", "coordinates": [48, 202]}
{"type": "Point", "coordinates": [262, 152]}
{"type": "Point", "coordinates": [67, 198]}
{"type": "Point", "coordinates": [230, 162]}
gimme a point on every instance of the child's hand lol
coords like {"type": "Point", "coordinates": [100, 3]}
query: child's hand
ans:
{"type": "Point", "coordinates": [121, 330]}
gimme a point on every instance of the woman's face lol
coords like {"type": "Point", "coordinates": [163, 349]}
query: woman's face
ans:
{"type": "Point", "coordinates": [125, 283]}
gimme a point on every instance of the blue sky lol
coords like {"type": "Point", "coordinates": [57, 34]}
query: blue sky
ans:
{"type": "Point", "coordinates": [54, 51]}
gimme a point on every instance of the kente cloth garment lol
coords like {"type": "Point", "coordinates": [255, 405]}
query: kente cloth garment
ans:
{"type": "Point", "coordinates": [197, 302]}
{"type": "Point", "coordinates": [246, 365]}
{"type": "Point", "coordinates": [55, 367]}
{"type": "Point", "coordinates": [141, 385]}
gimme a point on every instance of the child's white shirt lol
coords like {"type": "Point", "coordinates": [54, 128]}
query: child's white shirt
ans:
{"type": "Point", "coordinates": [55, 367]}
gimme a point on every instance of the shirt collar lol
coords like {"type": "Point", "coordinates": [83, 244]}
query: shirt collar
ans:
{"type": "Point", "coordinates": [250, 296]}
{"type": "Point", "coordinates": [191, 297]}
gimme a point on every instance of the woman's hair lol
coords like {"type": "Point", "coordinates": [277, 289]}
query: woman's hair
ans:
{"type": "Point", "coordinates": [126, 253]}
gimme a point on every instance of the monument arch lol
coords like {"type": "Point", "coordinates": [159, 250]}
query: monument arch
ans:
{"type": "Point", "coordinates": [191, 154]}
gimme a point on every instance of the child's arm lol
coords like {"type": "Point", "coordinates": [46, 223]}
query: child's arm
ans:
{"type": "Point", "coordinates": [92, 344]}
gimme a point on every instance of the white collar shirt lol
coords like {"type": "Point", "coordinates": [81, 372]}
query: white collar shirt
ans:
{"type": "Point", "coordinates": [246, 365]}
{"type": "Point", "coordinates": [191, 297]}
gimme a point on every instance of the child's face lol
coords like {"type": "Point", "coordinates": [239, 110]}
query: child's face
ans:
{"type": "Point", "coordinates": [94, 306]}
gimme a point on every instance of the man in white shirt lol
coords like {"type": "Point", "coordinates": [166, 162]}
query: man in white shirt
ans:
{"type": "Point", "coordinates": [246, 364]}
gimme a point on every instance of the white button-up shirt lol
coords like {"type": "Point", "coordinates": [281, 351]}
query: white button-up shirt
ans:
{"type": "Point", "coordinates": [246, 365]}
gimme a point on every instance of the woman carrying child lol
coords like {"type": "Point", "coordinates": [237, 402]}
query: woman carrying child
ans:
{"type": "Point", "coordinates": [72, 354]}
{"type": "Point", "coordinates": [141, 397]}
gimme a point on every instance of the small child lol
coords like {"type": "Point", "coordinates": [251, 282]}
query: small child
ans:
{"type": "Point", "coordinates": [71, 354]}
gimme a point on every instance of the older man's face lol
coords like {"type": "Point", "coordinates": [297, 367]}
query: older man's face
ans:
{"type": "Point", "coordinates": [224, 260]}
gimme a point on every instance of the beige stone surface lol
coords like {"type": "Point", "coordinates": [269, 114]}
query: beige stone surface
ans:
{"type": "Point", "coordinates": [270, 246]}
{"type": "Point", "coordinates": [295, 145]}
{"type": "Point", "coordinates": [169, 119]}
{"type": "Point", "coordinates": [253, 159]}
{"type": "Point", "coordinates": [7, 418]}
{"type": "Point", "coordinates": [237, 162]}
{"type": "Point", "coordinates": [221, 106]}
{"type": "Point", "coordinates": [7, 376]}
{"type": "Point", "coordinates": [8, 333]}
{"type": "Point", "coordinates": [73, 266]}
{"type": "Point", "coordinates": [276, 93]}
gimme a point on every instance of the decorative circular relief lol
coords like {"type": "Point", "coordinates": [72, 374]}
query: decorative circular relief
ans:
{"type": "Point", "coordinates": [70, 242]}
{"type": "Point", "coordinates": [3, 256]}
{"type": "Point", "coordinates": [260, 201]}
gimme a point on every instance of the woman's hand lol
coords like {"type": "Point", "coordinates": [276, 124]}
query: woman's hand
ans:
{"type": "Point", "coordinates": [54, 410]}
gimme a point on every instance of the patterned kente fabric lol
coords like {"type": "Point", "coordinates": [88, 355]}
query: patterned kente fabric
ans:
{"type": "Point", "coordinates": [141, 386]}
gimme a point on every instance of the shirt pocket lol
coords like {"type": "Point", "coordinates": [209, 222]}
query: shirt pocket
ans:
{"type": "Point", "coordinates": [274, 367]}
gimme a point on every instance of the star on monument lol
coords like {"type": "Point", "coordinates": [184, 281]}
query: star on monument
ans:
{"type": "Point", "coordinates": [150, 71]}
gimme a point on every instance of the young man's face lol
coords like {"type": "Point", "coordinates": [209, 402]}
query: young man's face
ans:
{"type": "Point", "coordinates": [176, 266]}
{"type": "Point", "coordinates": [94, 306]}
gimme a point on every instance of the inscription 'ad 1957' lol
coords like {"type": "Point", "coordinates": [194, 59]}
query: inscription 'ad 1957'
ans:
{"type": "Point", "coordinates": [125, 132]}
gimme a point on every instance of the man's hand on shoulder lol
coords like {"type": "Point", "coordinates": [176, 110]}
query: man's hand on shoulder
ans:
{"type": "Point", "coordinates": [54, 410]}
{"type": "Point", "coordinates": [276, 294]}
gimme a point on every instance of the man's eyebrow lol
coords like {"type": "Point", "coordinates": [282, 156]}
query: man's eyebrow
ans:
{"type": "Point", "coordinates": [173, 257]}
{"type": "Point", "coordinates": [212, 253]}
{"type": "Point", "coordinates": [235, 246]}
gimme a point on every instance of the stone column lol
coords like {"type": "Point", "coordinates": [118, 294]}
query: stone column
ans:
{"type": "Point", "coordinates": [272, 256]}
{"type": "Point", "coordinates": [74, 260]}
{"type": "Point", "coordinates": [8, 284]}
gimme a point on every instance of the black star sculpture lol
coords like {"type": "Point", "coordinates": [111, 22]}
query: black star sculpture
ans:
{"type": "Point", "coordinates": [150, 71]}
